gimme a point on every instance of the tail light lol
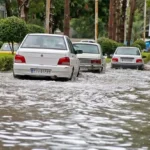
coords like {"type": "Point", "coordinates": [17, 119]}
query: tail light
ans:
{"type": "Point", "coordinates": [97, 61]}
{"type": "Point", "coordinates": [139, 61]}
{"type": "Point", "coordinates": [64, 61]}
{"type": "Point", "coordinates": [114, 59]}
{"type": "Point", "coordinates": [19, 59]}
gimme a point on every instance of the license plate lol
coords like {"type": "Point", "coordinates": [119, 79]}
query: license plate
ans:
{"type": "Point", "coordinates": [127, 60]}
{"type": "Point", "coordinates": [37, 70]}
{"type": "Point", "coordinates": [84, 61]}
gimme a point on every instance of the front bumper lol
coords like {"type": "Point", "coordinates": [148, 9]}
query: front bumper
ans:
{"type": "Point", "coordinates": [55, 71]}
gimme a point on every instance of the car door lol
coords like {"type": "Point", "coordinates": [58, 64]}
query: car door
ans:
{"type": "Point", "coordinates": [73, 57]}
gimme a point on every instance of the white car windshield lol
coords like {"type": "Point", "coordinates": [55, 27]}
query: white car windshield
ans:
{"type": "Point", "coordinates": [7, 47]}
{"type": "Point", "coordinates": [127, 51]}
{"type": "Point", "coordinates": [44, 42]}
{"type": "Point", "coordinates": [87, 48]}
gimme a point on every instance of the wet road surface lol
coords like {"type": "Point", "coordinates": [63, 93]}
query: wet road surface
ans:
{"type": "Point", "coordinates": [108, 111]}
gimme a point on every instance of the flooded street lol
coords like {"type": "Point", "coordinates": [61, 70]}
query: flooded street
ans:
{"type": "Point", "coordinates": [108, 111]}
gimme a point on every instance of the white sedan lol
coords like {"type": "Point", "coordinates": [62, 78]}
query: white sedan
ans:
{"type": "Point", "coordinates": [127, 57]}
{"type": "Point", "coordinates": [46, 55]}
{"type": "Point", "coordinates": [92, 58]}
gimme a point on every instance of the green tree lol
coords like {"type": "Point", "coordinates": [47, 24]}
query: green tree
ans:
{"type": "Point", "coordinates": [12, 29]}
{"type": "Point", "coordinates": [32, 28]}
{"type": "Point", "coordinates": [83, 17]}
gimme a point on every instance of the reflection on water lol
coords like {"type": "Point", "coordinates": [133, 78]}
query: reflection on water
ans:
{"type": "Point", "coordinates": [97, 111]}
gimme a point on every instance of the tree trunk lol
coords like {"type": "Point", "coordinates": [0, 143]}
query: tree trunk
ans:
{"type": "Point", "coordinates": [122, 21]}
{"type": "Point", "coordinates": [132, 11]}
{"type": "Point", "coordinates": [67, 17]}
{"type": "Point", "coordinates": [8, 8]}
{"type": "Point", "coordinates": [111, 19]}
{"type": "Point", "coordinates": [118, 15]}
{"type": "Point", "coordinates": [114, 21]}
{"type": "Point", "coordinates": [23, 9]}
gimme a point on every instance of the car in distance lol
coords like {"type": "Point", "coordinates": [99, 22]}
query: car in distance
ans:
{"type": "Point", "coordinates": [92, 58]}
{"type": "Point", "coordinates": [6, 47]}
{"type": "Point", "coordinates": [127, 57]}
{"type": "Point", "coordinates": [46, 55]}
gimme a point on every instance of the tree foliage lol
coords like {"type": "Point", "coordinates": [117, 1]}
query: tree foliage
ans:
{"type": "Point", "coordinates": [32, 28]}
{"type": "Point", "coordinates": [12, 29]}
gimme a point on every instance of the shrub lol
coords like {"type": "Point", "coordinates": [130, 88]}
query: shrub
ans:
{"type": "Point", "coordinates": [141, 43]}
{"type": "Point", "coordinates": [32, 28]}
{"type": "Point", "coordinates": [6, 63]}
{"type": "Point", "coordinates": [136, 45]}
{"type": "Point", "coordinates": [12, 29]}
{"type": "Point", "coordinates": [108, 46]}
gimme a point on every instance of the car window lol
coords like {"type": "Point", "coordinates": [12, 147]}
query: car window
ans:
{"type": "Point", "coordinates": [127, 51]}
{"type": "Point", "coordinates": [87, 48]}
{"type": "Point", "coordinates": [7, 47]}
{"type": "Point", "coordinates": [72, 50]}
{"type": "Point", "coordinates": [44, 42]}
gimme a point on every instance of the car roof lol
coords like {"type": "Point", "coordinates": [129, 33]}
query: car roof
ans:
{"type": "Point", "coordinates": [86, 43]}
{"type": "Point", "coordinates": [59, 35]}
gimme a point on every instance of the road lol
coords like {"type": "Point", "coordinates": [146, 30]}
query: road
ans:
{"type": "Point", "coordinates": [106, 111]}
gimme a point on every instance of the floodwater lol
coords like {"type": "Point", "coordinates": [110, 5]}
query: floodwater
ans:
{"type": "Point", "coordinates": [108, 111]}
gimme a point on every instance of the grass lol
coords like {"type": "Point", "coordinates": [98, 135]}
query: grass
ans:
{"type": "Point", "coordinates": [147, 59]}
{"type": "Point", "coordinates": [108, 60]}
{"type": "Point", "coordinates": [6, 55]}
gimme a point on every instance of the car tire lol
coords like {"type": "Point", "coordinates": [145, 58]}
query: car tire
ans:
{"type": "Point", "coordinates": [78, 72]}
{"type": "Point", "coordinates": [71, 74]}
{"type": "Point", "coordinates": [141, 68]}
{"type": "Point", "coordinates": [69, 79]}
{"type": "Point", "coordinates": [14, 75]}
{"type": "Point", "coordinates": [112, 66]}
{"type": "Point", "coordinates": [100, 70]}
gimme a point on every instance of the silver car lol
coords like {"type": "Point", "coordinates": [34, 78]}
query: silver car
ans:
{"type": "Point", "coordinates": [127, 57]}
{"type": "Point", "coordinates": [92, 58]}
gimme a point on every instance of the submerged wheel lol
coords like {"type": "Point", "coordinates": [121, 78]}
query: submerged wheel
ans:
{"type": "Point", "coordinates": [141, 68]}
{"type": "Point", "coordinates": [16, 76]}
{"type": "Point", "coordinates": [70, 78]}
{"type": "Point", "coordinates": [100, 70]}
{"type": "Point", "coordinates": [78, 72]}
{"type": "Point", "coordinates": [71, 74]}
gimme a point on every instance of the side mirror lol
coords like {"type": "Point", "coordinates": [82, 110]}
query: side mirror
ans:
{"type": "Point", "coordinates": [143, 56]}
{"type": "Point", "coordinates": [79, 51]}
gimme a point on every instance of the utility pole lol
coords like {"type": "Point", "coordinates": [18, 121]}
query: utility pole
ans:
{"type": "Point", "coordinates": [96, 20]}
{"type": "Point", "coordinates": [144, 30]}
{"type": "Point", "coordinates": [47, 15]}
{"type": "Point", "coordinates": [67, 17]}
